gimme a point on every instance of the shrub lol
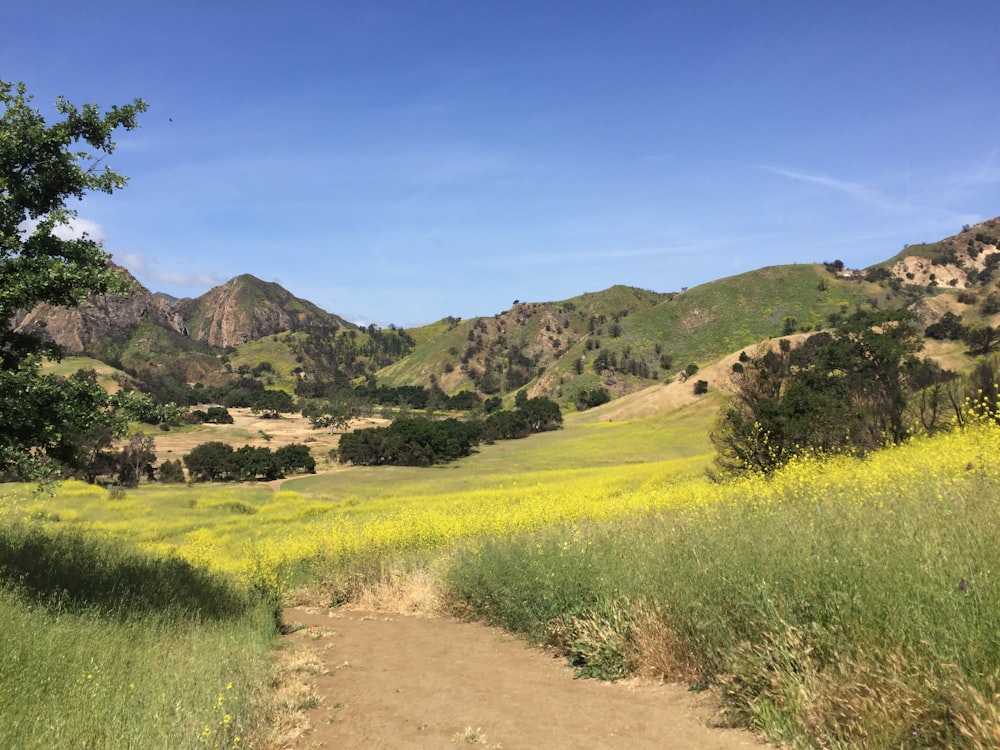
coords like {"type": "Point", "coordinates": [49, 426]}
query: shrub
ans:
{"type": "Point", "coordinates": [171, 472]}
{"type": "Point", "coordinates": [591, 397]}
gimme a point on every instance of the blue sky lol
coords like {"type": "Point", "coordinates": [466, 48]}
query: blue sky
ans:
{"type": "Point", "coordinates": [397, 162]}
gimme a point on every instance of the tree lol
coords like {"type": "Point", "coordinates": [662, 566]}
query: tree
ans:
{"type": "Point", "coordinates": [171, 472]}
{"type": "Point", "coordinates": [949, 327]}
{"type": "Point", "coordinates": [41, 167]}
{"type": "Point", "coordinates": [271, 403]}
{"type": "Point", "coordinates": [845, 391]}
{"type": "Point", "coordinates": [209, 461]}
{"type": "Point", "coordinates": [591, 397]}
{"type": "Point", "coordinates": [249, 462]}
{"type": "Point", "coordinates": [295, 459]}
{"type": "Point", "coordinates": [982, 339]}
{"type": "Point", "coordinates": [541, 413]}
{"type": "Point", "coordinates": [218, 415]}
{"type": "Point", "coordinates": [505, 425]}
{"type": "Point", "coordinates": [136, 459]}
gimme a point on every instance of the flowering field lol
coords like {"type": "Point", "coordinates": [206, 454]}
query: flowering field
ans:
{"type": "Point", "coordinates": [853, 602]}
{"type": "Point", "coordinates": [509, 487]}
{"type": "Point", "coordinates": [841, 603]}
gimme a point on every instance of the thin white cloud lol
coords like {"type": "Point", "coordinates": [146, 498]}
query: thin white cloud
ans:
{"type": "Point", "coordinates": [873, 197]}
{"type": "Point", "coordinates": [142, 266]}
{"type": "Point", "coordinates": [987, 172]}
{"type": "Point", "coordinates": [857, 190]}
{"type": "Point", "coordinates": [934, 209]}
{"type": "Point", "coordinates": [74, 229]}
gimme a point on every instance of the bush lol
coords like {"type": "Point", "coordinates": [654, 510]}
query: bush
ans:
{"type": "Point", "coordinates": [218, 415]}
{"type": "Point", "coordinates": [591, 397]}
{"type": "Point", "coordinates": [991, 305]}
{"type": "Point", "coordinates": [170, 472]}
{"type": "Point", "coordinates": [949, 327]}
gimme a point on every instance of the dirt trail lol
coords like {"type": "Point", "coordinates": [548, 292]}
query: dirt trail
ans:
{"type": "Point", "coordinates": [400, 681]}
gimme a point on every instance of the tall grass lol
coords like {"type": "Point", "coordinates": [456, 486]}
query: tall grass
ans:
{"type": "Point", "coordinates": [843, 603]}
{"type": "Point", "coordinates": [105, 647]}
{"type": "Point", "coordinates": [851, 603]}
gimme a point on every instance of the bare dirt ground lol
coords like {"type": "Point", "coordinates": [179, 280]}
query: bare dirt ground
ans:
{"type": "Point", "coordinates": [403, 681]}
{"type": "Point", "coordinates": [249, 429]}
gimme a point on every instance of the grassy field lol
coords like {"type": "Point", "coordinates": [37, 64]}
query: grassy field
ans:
{"type": "Point", "coordinates": [106, 647]}
{"type": "Point", "coordinates": [69, 365]}
{"type": "Point", "coordinates": [843, 603]}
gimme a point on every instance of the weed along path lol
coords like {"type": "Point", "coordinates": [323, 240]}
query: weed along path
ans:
{"type": "Point", "coordinates": [401, 681]}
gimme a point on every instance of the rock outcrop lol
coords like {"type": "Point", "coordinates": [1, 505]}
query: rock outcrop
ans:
{"type": "Point", "coordinates": [246, 308]}
{"type": "Point", "coordinates": [75, 329]}
{"type": "Point", "coordinates": [241, 310]}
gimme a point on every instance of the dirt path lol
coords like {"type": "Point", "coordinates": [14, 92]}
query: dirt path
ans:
{"type": "Point", "coordinates": [399, 681]}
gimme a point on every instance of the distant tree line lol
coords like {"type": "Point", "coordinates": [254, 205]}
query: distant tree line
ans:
{"type": "Point", "coordinates": [219, 462]}
{"type": "Point", "coordinates": [419, 441]}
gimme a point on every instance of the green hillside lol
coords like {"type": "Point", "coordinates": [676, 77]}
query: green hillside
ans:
{"type": "Point", "coordinates": [623, 338]}
{"type": "Point", "coordinates": [107, 375]}
{"type": "Point", "coordinates": [579, 351]}
{"type": "Point", "coordinates": [715, 319]}
{"type": "Point", "coordinates": [515, 348]}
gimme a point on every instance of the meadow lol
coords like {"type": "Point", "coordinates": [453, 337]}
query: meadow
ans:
{"type": "Point", "coordinates": [841, 603]}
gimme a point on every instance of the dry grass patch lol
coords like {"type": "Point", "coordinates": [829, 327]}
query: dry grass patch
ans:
{"type": "Point", "coordinates": [395, 590]}
{"type": "Point", "coordinates": [293, 689]}
{"type": "Point", "coordinates": [412, 593]}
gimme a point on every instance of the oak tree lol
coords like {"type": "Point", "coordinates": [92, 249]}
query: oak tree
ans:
{"type": "Point", "coordinates": [42, 167]}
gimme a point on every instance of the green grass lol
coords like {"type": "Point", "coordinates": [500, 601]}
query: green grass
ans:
{"type": "Point", "coordinates": [851, 604]}
{"type": "Point", "coordinates": [276, 349]}
{"type": "Point", "coordinates": [841, 604]}
{"type": "Point", "coordinates": [718, 318]}
{"type": "Point", "coordinates": [105, 647]}
{"type": "Point", "coordinates": [679, 436]}
{"type": "Point", "coordinates": [69, 365]}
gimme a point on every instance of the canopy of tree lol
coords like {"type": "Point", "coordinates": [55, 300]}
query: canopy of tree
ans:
{"type": "Point", "coordinates": [216, 461]}
{"type": "Point", "coordinates": [418, 441]}
{"type": "Point", "coordinates": [844, 391]}
{"type": "Point", "coordinates": [48, 420]}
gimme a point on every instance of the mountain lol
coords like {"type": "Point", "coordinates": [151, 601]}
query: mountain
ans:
{"type": "Point", "coordinates": [624, 340]}
{"type": "Point", "coordinates": [621, 339]}
{"type": "Point", "coordinates": [241, 310]}
{"type": "Point", "coordinates": [101, 316]}
{"type": "Point", "coordinates": [246, 308]}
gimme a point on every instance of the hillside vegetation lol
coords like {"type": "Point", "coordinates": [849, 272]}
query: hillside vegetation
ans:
{"type": "Point", "coordinates": [619, 340]}
{"type": "Point", "coordinates": [625, 338]}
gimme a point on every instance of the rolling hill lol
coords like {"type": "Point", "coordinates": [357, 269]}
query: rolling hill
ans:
{"type": "Point", "coordinates": [621, 339]}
